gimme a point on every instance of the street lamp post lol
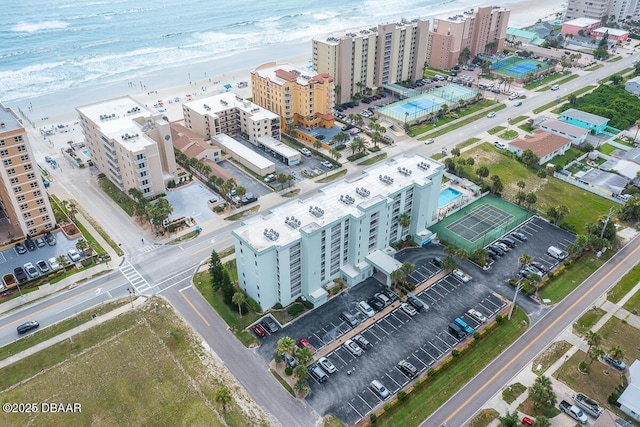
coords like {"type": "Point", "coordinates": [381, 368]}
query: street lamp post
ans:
{"type": "Point", "coordinates": [515, 295]}
{"type": "Point", "coordinates": [131, 294]}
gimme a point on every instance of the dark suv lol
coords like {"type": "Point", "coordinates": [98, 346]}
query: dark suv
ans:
{"type": "Point", "coordinates": [26, 327]}
{"type": "Point", "coordinates": [456, 331]}
{"type": "Point", "coordinates": [270, 324]}
{"type": "Point", "coordinates": [21, 275]}
{"type": "Point", "coordinates": [30, 244]}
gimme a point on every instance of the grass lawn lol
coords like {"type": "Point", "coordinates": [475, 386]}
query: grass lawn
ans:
{"type": "Point", "coordinates": [518, 120]}
{"type": "Point", "coordinates": [374, 159]}
{"type": "Point", "coordinates": [527, 408]}
{"type": "Point", "coordinates": [512, 392]}
{"type": "Point", "coordinates": [236, 323]}
{"type": "Point", "coordinates": [332, 177]}
{"type": "Point", "coordinates": [141, 368]}
{"type": "Point", "coordinates": [607, 149]}
{"type": "Point", "coordinates": [595, 67]}
{"type": "Point", "coordinates": [633, 305]}
{"type": "Point", "coordinates": [570, 155]}
{"type": "Point", "coordinates": [460, 123]}
{"type": "Point", "coordinates": [544, 80]}
{"type": "Point", "coordinates": [624, 285]}
{"type": "Point", "coordinates": [495, 130]}
{"type": "Point", "coordinates": [550, 356]}
{"type": "Point", "coordinates": [510, 134]}
{"type": "Point", "coordinates": [583, 206]}
{"type": "Point", "coordinates": [331, 421]}
{"type": "Point", "coordinates": [562, 285]}
{"type": "Point", "coordinates": [615, 59]}
{"type": "Point", "coordinates": [125, 202]}
{"type": "Point", "coordinates": [568, 79]}
{"type": "Point", "coordinates": [564, 98]}
{"type": "Point", "coordinates": [596, 384]}
{"type": "Point", "coordinates": [484, 418]}
{"type": "Point", "coordinates": [468, 142]}
{"type": "Point", "coordinates": [618, 332]}
{"type": "Point", "coordinates": [585, 323]}
{"type": "Point", "coordinates": [242, 214]}
{"type": "Point", "coordinates": [44, 334]}
{"type": "Point", "coordinates": [422, 403]}
{"type": "Point", "coordinates": [427, 126]}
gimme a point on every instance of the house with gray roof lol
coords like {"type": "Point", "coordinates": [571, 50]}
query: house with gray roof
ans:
{"type": "Point", "coordinates": [576, 134]}
{"type": "Point", "coordinates": [629, 400]}
{"type": "Point", "coordinates": [594, 123]}
{"type": "Point", "coordinates": [633, 86]}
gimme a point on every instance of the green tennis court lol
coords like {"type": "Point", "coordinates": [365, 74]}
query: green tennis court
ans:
{"type": "Point", "coordinates": [480, 223]}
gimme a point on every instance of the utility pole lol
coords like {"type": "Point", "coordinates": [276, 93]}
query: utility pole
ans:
{"type": "Point", "coordinates": [515, 295]}
{"type": "Point", "coordinates": [606, 221]}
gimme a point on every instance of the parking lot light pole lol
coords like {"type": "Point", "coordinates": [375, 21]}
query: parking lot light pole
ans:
{"type": "Point", "coordinates": [515, 295]}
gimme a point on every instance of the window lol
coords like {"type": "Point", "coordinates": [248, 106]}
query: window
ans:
{"type": "Point", "coordinates": [31, 176]}
{"type": "Point", "coordinates": [21, 148]}
{"type": "Point", "coordinates": [45, 218]}
{"type": "Point", "coordinates": [27, 167]}
{"type": "Point", "coordinates": [29, 224]}
{"type": "Point", "coordinates": [38, 202]}
{"type": "Point", "coordinates": [17, 189]}
{"type": "Point", "coordinates": [36, 193]}
{"type": "Point", "coordinates": [4, 152]}
{"type": "Point", "coordinates": [15, 180]}
{"type": "Point", "coordinates": [25, 206]}
{"type": "Point", "coordinates": [8, 162]}
{"type": "Point", "coordinates": [34, 185]}
{"type": "Point", "coordinates": [42, 210]}
{"type": "Point", "coordinates": [24, 157]}
{"type": "Point", "coordinates": [11, 171]}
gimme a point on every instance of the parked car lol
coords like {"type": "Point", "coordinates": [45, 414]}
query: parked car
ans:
{"type": "Point", "coordinates": [417, 303]}
{"type": "Point", "coordinates": [461, 275]}
{"type": "Point", "coordinates": [477, 315]}
{"type": "Point", "coordinates": [305, 152]}
{"type": "Point", "coordinates": [259, 331]}
{"type": "Point", "coordinates": [407, 368]}
{"type": "Point", "coordinates": [21, 275]}
{"type": "Point", "coordinates": [491, 115]}
{"type": "Point", "coordinates": [520, 236]}
{"type": "Point", "coordinates": [383, 298]}
{"type": "Point", "coordinates": [499, 145]}
{"type": "Point", "coordinates": [349, 319]}
{"type": "Point", "coordinates": [303, 342]}
{"type": "Point", "coordinates": [289, 360]}
{"type": "Point", "coordinates": [327, 164]}
{"type": "Point", "coordinates": [269, 324]}
{"type": "Point", "coordinates": [379, 389]}
{"type": "Point", "coordinates": [26, 327]}
{"type": "Point", "coordinates": [48, 237]}
{"type": "Point", "coordinates": [503, 246]}
{"type": "Point", "coordinates": [408, 309]}
{"type": "Point", "coordinates": [437, 262]}
{"type": "Point", "coordinates": [539, 266]}
{"type": "Point", "coordinates": [392, 296]}
{"type": "Point", "coordinates": [31, 270]}
{"type": "Point", "coordinates": [30, 245]}
{"type": "Point", "coordinates": [497, 249]}
{"type": "Point", "coordinates": [376, 304]}
{"type": "Point", "coordinates": [40, 242]}
{"type": "Point", "coordinates": [362, 341]}
{"type": "Point", "coordinates": [616, 363]}
{"type": "Point", "coordinates": [43, 266]}
{"type": "Point", "coordinates": [353, 348]}
{"type": "Point", "coordinates": [327, 365]}
{"type": "Point", "coordinates": [366, 309]}
{"type": "Point", "coordinates": [20, 248]}
{"type": "Point", "coordinates": [317, 373]}
{"type": "Point", "coordinates": [530, 270]}
{"type": "Point", "coordinates": [73, 255]}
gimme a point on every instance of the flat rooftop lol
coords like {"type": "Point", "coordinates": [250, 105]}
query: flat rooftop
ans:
{"type": "Point", "coordinates": [560, 126]}
{"type": "Point", "coordinates": [285, 72]}
{"type": "Point", "coordinates": [279, 147]}
{"type": "Point", "coordinates": [612, 31]}
{"type": "Point", "coordinates": [239, 149]}
{"type": "Point", "coordinates": [120, 117]}
{"type": "Point", "coordinates": [9, 120]}
{"type": "Point", "coordinates": [227, 101]}
{"type": "Point", "coordinates": [305, 213]}
{"type": "Point", "coordinates": [581, 22]}
{"type": "Point", "coordinates": [583, 116]}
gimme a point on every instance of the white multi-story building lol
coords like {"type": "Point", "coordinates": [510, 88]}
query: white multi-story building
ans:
{"type": "Point", "coordinates": [130, 144]}
{"type": "Point", "coordinates": [230, 114]}
{"type": "Point", "coordinates": [597, 9]}
{"type": "Point", "coordinates": [368, 58]}
{"type": "Point", "coordinates": [343, 231]}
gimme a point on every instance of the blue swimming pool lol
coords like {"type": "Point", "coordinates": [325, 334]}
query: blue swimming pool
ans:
{"type": "Point", "coordinates": [447, 196]}
{"type": "Point", "coordinates": [86, 153]}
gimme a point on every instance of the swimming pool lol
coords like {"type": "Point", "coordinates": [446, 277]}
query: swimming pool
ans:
{"type": "Point", "coordinates": [86, 153]}
{"type": "Point", "coordinates": [447, 196]}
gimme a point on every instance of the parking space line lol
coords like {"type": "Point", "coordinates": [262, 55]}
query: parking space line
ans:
{"type": "Point", "coordinates": [355, 410]}
{"type": "Point", "coordinates": [397, 383]}
{"type": "Point", "coordinates": [434, 290]}
{"type": "Point", "coordinates": [376, 337]}
{"type": "Point", "coordinates": [433, 300]}
{"type": "Point", "coordinates": [390, 324]}
{"type": "Point", "coordinates": [365, 402]}
{"type": "Point", "coordinates": [380, 327]}
{"type": "Point", "coordinates": [319, 339]}
{"type": "Point", "coordinates": [445, 343]}
{"type": "Point", "coordinates": [440, 353]}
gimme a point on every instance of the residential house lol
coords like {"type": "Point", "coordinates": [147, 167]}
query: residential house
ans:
{"type": "Point", "coordinates": [633, 86]}
{"type": "Point", "coordinates": [576, 134]}
{"type": "Point", "coordinates": [629, 400]}
{"type": "Point", "coordinates": [594, 123]}
{"type": "Point", "coordinates": [545, 145]}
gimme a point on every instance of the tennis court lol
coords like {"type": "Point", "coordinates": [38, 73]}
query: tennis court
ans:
{"type": "Point", "coordinates": [480, 223]}
{"type": "Point", "coordinates": [518, 67]}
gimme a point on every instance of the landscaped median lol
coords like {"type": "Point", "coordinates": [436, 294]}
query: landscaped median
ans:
{"type": "Point", "coordinates": [414, 404]}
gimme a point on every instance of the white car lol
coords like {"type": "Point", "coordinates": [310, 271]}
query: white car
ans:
{"type": "Point", "coordinates": [73, 255]}
{"type": "Point", "coordinates": [366, 309]}
{"type": "Point", "coordinates": [31, 270]}
{"type": "Point", "coordinates": [408, 309]}
{"type": "Point", "coordinates": [327, 164]}
{"type": "Point", "coordinates": [461, 275]}
{"type": "Point", "coordinates": [491, 114]}
{"type": "Point", "coordinates": [430, 141]}
{"type": "Point", "coordinates": [477, 315]}
{"type": "Point", "coordinates": [327, 365]}
{"type": "Point", "coordinates": [555, 87]}
{"type": "Point", "coordinates": [500, 145]}
{"type": "Point", "coordinates": [353, 348]}
{"type": "Point", "coordinates": [53, 263]}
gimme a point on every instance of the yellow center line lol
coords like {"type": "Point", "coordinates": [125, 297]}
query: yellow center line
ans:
{"type": "Point", "coordinates": [535, 340]}
{"type": "Point", "coordinates": [194, 308]}
{"type": "Point", "coordinates": [62, 302]}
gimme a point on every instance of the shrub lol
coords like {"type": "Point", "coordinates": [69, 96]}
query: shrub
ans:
{"type": "Point", "coordinates": [499, 318]}
{"type": "Point", "coordinates": [307, 304]}
{"type": "Point", "coordinates": [278, 306]}
{"type": "Point", "coordinates": [340, 147]}
{"type": "Point", "coordinates": [402, 395]}
{"type": "Point", "coordinates": [288, 370]}
{"type": "Point", "coordinates": [455, 353]}
{"type": "Point", "coordinates": [373, 418]}
{"type": "Point", "coordinates": [295, 309]}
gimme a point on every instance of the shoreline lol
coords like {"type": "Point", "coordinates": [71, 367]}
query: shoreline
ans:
{"type": "Point", "coordinates": [200, 78]}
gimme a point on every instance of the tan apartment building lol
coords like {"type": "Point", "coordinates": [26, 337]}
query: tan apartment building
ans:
{"type": "Point", "coordinates": [369, 58]}
{"type": "Point", "coordinates": [301, 97]}
{"type": "Point", "coordinates": [230, 114]}
{"type": "Point", "coordinates": [481, 31]}
{"type": "Point", "coordinates": [597, 9]}
{"type": "Point", "coordinates": [130, 144]}
{"type": "Point", "coordinates": [25, 208]}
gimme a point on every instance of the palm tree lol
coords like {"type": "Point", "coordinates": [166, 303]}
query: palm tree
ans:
{"type": "Point", "coordinates": [340, 137]}
{"type": "Point", "coordinates": [593, 339]}
{"type": "Point", "coordinates": [361, 144]}
{"type": "Point", "coordinates": [541, 421]}
{"type": "Point", "coordinates": [334, 153]}
{"type": "Point", "coordinates": [285, 345]}
{"type": "Point", "coordinates": [304, 356]}
{"type": "Point", "coordinates": [596, 353]}
{"type": "Point", "coordinates": [449, 263]}
{"type": "Point", "coordinates": [541, 393]}
{"type": "Point", "coordinates": [397, 276]}
{"type": "Point", "coordinates": [241, 190]}
{"type": "Point", "coordinates": [223, 396]}
{"type": "Point", "coordinates": [71, 207]}
{"type": "Point", "coordinates": [524, 259]}
{"type": "Point", "coordinates": [62, 260]}
{"type": "Point", "coordinates": [404, 220]}
{"type": "Point", "coordinates": [616, 352]}
{"type": "Point", "coordinates": [239, 298]}
{"type": "Point", "coordinates": [317, 144]}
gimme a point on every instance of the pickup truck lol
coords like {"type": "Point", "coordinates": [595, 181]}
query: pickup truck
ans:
{"type": "Point", "coordinates": [588, 405]}
{"type": "Point", "coordinates": [573, 411]}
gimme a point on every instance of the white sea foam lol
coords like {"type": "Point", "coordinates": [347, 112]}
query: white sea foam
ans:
{"type": "Point", "coordinates": [32, 27]}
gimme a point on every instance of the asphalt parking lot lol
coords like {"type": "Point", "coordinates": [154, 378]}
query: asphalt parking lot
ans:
{"type": "Point", "coordinates": [242, 178]}
{"type": "Point", "coordinates": [423, 339]}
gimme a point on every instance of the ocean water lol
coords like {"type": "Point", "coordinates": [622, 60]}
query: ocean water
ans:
{"type": "Point", "coordinates": [50, 47]}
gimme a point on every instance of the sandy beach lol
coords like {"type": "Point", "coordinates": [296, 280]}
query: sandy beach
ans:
{"type": "Point", "coordinates": [207, 78]}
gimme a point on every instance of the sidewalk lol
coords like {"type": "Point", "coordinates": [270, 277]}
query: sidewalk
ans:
{"type": "Point", "coordinates": [68, 334]}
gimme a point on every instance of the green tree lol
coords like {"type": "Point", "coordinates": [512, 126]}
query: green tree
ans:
{"type": "Point", "coordinates": [449, 263]}
{"type": "Point", "coordinates": [630, 211]}
{"type": "Point", "coordinates": [521, 196]}
{"type": "Point", "coordinates": [160, 210]}
{"type": "Point", "coordinates": [223, 396]}
{"type": "Point", "coordinates": [241, 190]}
{"type": "Point", "coordinates": [529, 158]}
{"type": "Point", "coordinates": [335, 154]}
{"type": "Point", "coordinates": [281, 178]}
{"type": "Point", "coordinates": [317, 144]}
{"type": "Point", "coordinates": [521, 184]}
{"type": "Point", "coordinates": [340, 138]}
{"type": "Point", "coordinates": [593, 340]}
{"type": "Point", "coordinates": [215, 270]}
{"type": "Point", "coordinates": [404, 220]}
{"type": "Point", "coordinates": [531, 199]}
{"type": "Point", "coordinates": [227, 288]}
{"type": "Point", "coordinates": [285, 345]}
{"type": "Point", "coordinates": [304, 356]}
{"type": "Point", "coordinates": [471, 161]}
{"type": "Point", "coordinates": [455, 152]}
{"type": "Point", "coordinates": [541, 421]}
{"type": "Point", "coordinates": [596, 227]}
{"type": "Point", "coordinates": [510, 420]}
{"type": "Point", "coordinates": [239, 298]}
{"type": "Point", "coordinates": [524, 259]}
{"type": "Point", "coordinates": [71, 207]}
{"type": "Point", "coordinates": [541, 393]}
{"type": "Point", "coordinates": [496, 186]}
{"type": "Point", "coordinates": [616, 79]}
{"type": "Point", "coordinates": [63, 260]}
{"type": "Point", "coordinates": [596, 353]}
{"type": "Point", "coordinates": [482, 172]}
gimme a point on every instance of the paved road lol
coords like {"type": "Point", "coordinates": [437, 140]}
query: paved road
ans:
{"type": "Point", "coordinates": [458, 410]}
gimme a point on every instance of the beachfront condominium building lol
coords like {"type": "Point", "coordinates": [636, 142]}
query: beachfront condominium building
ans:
{"type": "Point", "coordinates": [598, 9]}
{"type": "Point", "coordinates": [301, 97]}
{"type": "Point", "coordinates": [470, 33]}
{"type": "Point", "coordinates": [230, 114]}
{"type": "Point", "coordinates": [130, 144]}
{"type": "Point", "coordinates": [24, 205]}
{"type": "Point", "coordinates": [342, 232]}
{"type": "Point", "coordinates": [369, 58]}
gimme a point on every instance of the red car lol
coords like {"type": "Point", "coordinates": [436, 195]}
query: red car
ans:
{"type": "Point", "coordinates": [304, 343]}
{"type": "Point", "coordinates": [527, 421]}
{"type": "Point", "coordinates": [259, 331]}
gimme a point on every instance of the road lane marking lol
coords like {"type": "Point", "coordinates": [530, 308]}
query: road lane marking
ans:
{"type": "Point", "coordinates": [209, 246]}
{"type": "Point", "coordinates": [537, 337]}
{"type": "Point", "coordinates": [194, 308]}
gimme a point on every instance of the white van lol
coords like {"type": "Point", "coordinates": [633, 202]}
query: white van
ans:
{"type": "Point", "coordinates": [556, 253]}
{"type": "Point", "coordinates": [379, 389]}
